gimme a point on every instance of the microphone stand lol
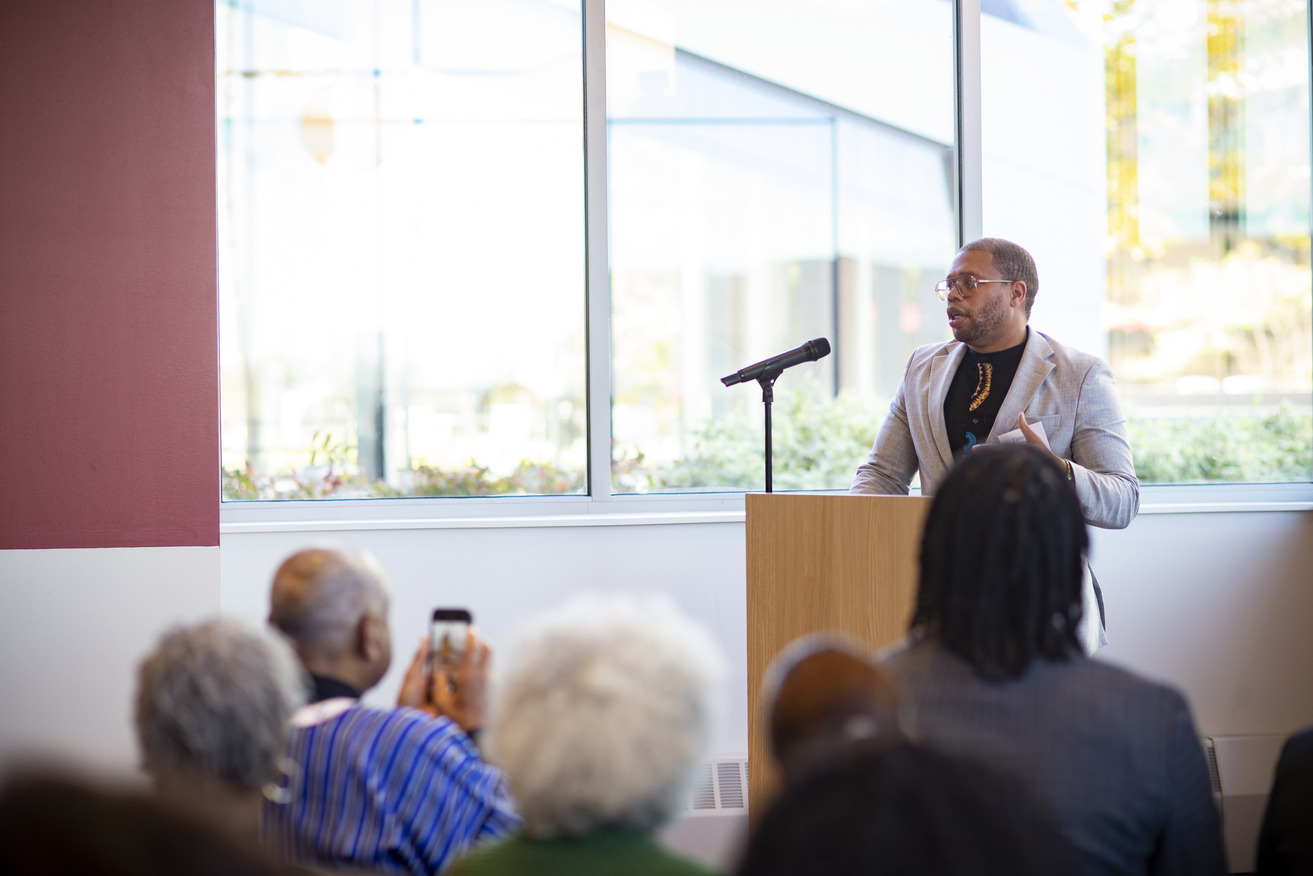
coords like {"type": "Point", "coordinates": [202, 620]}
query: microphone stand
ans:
{"type": "Point", "coordinates": [766, 373]}
{"type": "Point", "coordinates": [767, 382]}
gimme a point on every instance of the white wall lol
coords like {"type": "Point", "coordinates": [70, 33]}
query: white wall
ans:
{"type": "Point", "coordinates": [1219, 604]}
{"type": "Point", "coordinates": [506, 574]}
{"type": "Point", "coordinates": [74, 624]}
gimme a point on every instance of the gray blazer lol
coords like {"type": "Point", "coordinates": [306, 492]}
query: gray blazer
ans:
{"type": "Point", "coordinates": [1070, 392]}
{"type": "Point", "coordinates": [1114, 757]}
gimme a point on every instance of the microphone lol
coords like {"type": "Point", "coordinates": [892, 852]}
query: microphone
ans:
{"type": "Point", "coordinates": [808, 352]}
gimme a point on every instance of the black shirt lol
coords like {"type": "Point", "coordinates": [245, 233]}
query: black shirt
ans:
{"type": "Point", "coordinates": [976, 394]}
{"type": "Point", "coordinates": [328, 688]}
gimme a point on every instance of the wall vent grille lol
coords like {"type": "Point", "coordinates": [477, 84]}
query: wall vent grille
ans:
{"type": "Point", "coordinates": [719, 786]}
{"type": "Point", "coordinates": [1210, 751]}
{"type": "Point", "coordinates": [1241, 770]}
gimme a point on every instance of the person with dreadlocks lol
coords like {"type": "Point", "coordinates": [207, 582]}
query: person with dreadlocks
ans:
{"type": "Point", "coordinates": [992, 669]}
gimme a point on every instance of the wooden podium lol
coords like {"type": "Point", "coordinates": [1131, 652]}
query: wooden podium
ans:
{"type": "Point", "coordinates": [842, 563]}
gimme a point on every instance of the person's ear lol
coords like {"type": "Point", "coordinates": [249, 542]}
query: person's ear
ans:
{"type": "Point", "coordinates": [1019, 292]}
{"type": "Point", "coordinates": [370, 637]}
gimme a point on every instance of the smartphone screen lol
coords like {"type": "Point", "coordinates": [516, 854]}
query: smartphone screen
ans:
{"type": "Point", "coordinates": [449, 632]}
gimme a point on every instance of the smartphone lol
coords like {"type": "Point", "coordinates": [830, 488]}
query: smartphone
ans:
{"type": "Point", "coordinates": [449, 633]}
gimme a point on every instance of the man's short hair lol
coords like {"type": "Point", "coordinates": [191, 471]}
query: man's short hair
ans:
{"type": "Point", "coordinates": [213, 702]}
{"type": "Point", "coordinates": [1012, 261]}
{"type": "Point", "coordinates": [604, 711]}
{"type": "Point", "coordinates": [1002, 557]}
{"type": "Point", "coordinates": [825, 696]}
{"type": "Point", "coordinates": [320, 594]}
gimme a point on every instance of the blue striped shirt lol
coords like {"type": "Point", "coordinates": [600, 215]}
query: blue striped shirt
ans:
{"type": "Point", "coordinates": [391, 790]}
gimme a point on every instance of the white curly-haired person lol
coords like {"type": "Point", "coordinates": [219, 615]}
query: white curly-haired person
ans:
{"type": "Point", "coordinates": [605, 709]}
{"type": "Point", "coordinates": [213, 704]}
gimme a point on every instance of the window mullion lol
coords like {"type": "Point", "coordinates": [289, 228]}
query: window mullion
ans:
{"type": "Point", "coordinates": [597, 252]}
{"type": "Point", "coordinates": [970, 173]}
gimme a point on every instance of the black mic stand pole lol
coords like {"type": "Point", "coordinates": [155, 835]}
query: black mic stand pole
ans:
{"type": "Point", "coordinates": [767, 382]}
{"type": "Point", "coordinates": [767, 372]}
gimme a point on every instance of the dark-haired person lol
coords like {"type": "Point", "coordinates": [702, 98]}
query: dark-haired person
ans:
{"type": "Point", "coordinates": [999, 376]}
{"type": "Point", "coordinates": [904, 810]}
{"type": "Point", "coordinates": [824, 697]}
{"type": "Point", "coordinates": [57, 825]}
{"type": "Point", "coordinates": [992, 668]}
{"type": "Point", "coordinates": [1285, 842]}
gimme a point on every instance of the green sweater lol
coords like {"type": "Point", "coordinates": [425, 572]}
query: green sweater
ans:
{"type": "Point", "coordinates": [601, 853]}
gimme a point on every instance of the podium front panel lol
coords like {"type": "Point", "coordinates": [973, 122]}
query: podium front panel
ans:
{"type": "Point", "coordinates": [823, 563]}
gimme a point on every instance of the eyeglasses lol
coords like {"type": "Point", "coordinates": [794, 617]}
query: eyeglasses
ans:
{"type": "Point", "coordinates": [965, 284]}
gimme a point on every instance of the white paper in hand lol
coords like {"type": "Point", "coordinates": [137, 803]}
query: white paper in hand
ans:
{"type": "Point", "coordinates": [1016, 437]}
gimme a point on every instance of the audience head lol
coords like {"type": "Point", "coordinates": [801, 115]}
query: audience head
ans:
{"type": "Point", "coordinates": [51, 826]}
{"type": "Point", "coordinates": [605, 708]}
{"type": "Point", "coordinates": [1001, 561]}
{"type": "Point", "coordinates": [903, 810]}
{"type": "Point", "coordinates": [213, 702]}
{"type": "Point", "coordinates": [1012, 261]}
{"type": "Point", "coordinates": [824, 696]}
{"type": "Point", "coordinates": [333, 605]}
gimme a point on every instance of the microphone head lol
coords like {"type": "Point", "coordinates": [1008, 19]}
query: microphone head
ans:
{"type": "Point", "coordinates": [820, 348]}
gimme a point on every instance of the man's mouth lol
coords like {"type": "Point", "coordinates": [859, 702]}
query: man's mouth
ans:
{"type": "Point", "coordinates": [956, 318]}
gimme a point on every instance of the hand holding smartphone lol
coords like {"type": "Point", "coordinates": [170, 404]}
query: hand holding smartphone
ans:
{"type": "Point", "coordinates": [448, 635]}
{"type": "Point", "coordinates": [449, 675]}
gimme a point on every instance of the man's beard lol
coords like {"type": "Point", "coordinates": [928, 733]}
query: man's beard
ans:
{"type": "Point", "coordinates": [984, 323]}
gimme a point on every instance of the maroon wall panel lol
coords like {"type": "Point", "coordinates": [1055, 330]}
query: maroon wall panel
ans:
{"type": "Point", "coordinates": [109, 420]}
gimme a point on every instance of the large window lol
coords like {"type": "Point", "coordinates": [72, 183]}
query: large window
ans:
{"type": "Point", "coordinates": [401, 248]}
{"type": "Point", "coordinates": [761, 198]}
{"type": "Point", "coordinates": [405, 250]}
{"type": "Point", "coordinates": [1159, 171]}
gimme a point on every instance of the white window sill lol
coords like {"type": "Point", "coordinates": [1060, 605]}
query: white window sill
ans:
{"type": "Point", "coordinates": [337, 515]}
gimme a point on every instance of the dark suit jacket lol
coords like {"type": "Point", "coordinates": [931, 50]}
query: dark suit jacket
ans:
{"type": "Point", "coordinates": [1285, 844]}
{"type": "Point", "coordinates": [1116, 758]}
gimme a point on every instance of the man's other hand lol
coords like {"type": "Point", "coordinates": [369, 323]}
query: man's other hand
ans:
{"type": "Point", "coordinates": [415, 686]}
{"type": "Point", "coordinates": [1033, 438]}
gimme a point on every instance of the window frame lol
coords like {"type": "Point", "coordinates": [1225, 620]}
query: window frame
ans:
{"type": "Point", "coordinates": [599, 506]}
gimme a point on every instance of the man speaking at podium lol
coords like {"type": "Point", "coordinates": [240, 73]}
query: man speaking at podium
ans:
{"type": "Point", "coordinates": [999, 381]}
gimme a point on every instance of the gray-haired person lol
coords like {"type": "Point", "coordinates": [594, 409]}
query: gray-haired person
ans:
{"type": "Point", "coordinates": [604, 711]}
{"type": "Point", "coordinates": [388, 789]}
{"type": "Point", "coordinates": [213, 704]}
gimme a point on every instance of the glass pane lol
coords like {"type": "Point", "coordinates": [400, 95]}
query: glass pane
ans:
{"type": "Point", "coordinates": [401, 236]}
{"type": "Point", "coordinates": [1165, 195]}
{"type": "Point", "coordinates": [775, 176]}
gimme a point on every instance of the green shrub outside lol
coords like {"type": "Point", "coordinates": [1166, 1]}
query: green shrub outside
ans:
{"type": "Point", "coordinates": [422, 481]}
{"type": "Point", "coordinates": [817, 442]}
{"type": "Point", "coordinates": [1226, 448]}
